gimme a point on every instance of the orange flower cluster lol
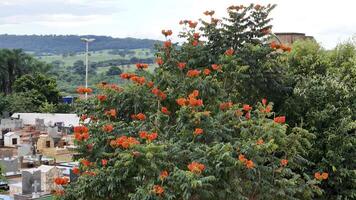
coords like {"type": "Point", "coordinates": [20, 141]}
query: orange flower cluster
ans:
{"type": "Point", "coordinates": [229, 52]}
{"type": "Point", "coordinates": [209, 13]}
{"type": "Point", "coordinates": [108, 128]}
{"type": "Point", "coordinates": [158, 190]}
{"type": "Point", "coordinates": [139, 116]}
{"type": "Point", "coordinates": [280, 120]}
{"type": "Point", "coordinates": [226, 105]}
{"type": "Point", "coordinates": [248, 163]}
{"type": "Point", "coordinates": [81, 133]}
{"type": "Point", "coordinates": [198, 131]}
{"type": "Point", "coordinates": [246, 107]}
{"type": "Point", "coordinates": [164, 174]}
{"type": "Point", "coordinates": [165, 111]}
{"type": "Point", "coordinates": [148, 136]}
{"type": "Point", "coordinates": [150, 84]}
{"type": "Point", "coordinates": [181, 65]}
{"type": "Point", "coordinates": [216, 67]}
{"type": "Point", "coordinates": [124, 142]}
{"type": "Point", "coordinates": [192, 100]}
{"type": "Point", "coordinates": [83, 90]}
{"type": "Point", "coordinates": [138, 79]}
{"type": "Point", "coordinates": [196, 36]}
{"type": "Point", "coordinates": [321, 176]}
{"type": "Point", "coordinates": [193, 73]}
{"type": "Point", "coordinates": [85, 162]}
{"type": "Point", "coordinates": [104, 162]}
{"type": "Point", "coordinates": [61, 181]}
{"type": "Point", "coordinates": [167, 44]}
{"type": "Point", "coordinates": [76, 170]}
{"type": "Point", "coordinates": [112, 86]}
{"type": "Point", "coordinates": [284, 162]}
{"type": "Point", "coordinates": [89, 173]}
{"type": "Point", "coordinates": [159, 93]}
{"type": "Point", "coordinates": [195, 43]}
{"type": "Point", "coordinates": [283, 47]}
{"type": "Point", "coordinates": [102, 98]}
{"type": "Point", "coordinates": [127, 75]}
{"type": "Point", "coordinates": [237, 8]}
{"type": "Point", "coordinates": [141, 65]}
{"type": "Point", "coordinates": [159, 61]}
{"type": "Point", "coordinates": [258, 7]}
{"type": "Point", "coordinates": [192, 24]}
{"type": "Point", "coordinates": [206, 72]}
{"type": "Point", "coordinates": [167, 32]}
{"type": "Point", "coordinates": [110, 113]}
{"type": "Point", "coordinates": [196, 168]}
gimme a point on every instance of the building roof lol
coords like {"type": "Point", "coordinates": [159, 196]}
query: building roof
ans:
{"type": "Point", "coordinates": [49, 118]}
{"type": "Point", "coordinates": [10, 134]}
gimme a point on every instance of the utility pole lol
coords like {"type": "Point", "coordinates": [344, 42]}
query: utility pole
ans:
{"type": "Point", "coordinates": [87, 41]}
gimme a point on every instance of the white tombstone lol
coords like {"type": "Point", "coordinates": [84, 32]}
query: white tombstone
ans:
{"type": "Point", "coordinates": [11, 139]}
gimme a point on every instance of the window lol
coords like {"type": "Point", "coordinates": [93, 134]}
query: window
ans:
{"type": "Point", "coordinates": [14, 141]}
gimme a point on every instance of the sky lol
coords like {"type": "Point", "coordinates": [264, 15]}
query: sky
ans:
{"type": "Point", "coordinates": [329, 21]}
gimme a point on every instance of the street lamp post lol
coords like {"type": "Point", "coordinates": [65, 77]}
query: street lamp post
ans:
{"type": "Point", "coordinates": [87, 41]}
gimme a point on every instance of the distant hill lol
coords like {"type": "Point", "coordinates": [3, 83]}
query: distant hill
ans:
{"type": "Point", "coordinates": [60, 44]}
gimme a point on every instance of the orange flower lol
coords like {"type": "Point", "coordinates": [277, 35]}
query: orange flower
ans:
{"type": "Point", "coordinates": [226, 105]}
{"type": "Point", "coordinates": [61, 181]}
{"type": "Point", "coordinates": [83, 90]}
{"type": "Point", "coordinates": [127, 75]}
{"type": "Point", "coordinates": [167, 44]}
{"type": "Point", "coordinates": [281, 119]}
{"type": "Point", "coordinates": [264, 101]}
{"type": "Point", "coordinates": [159, 61]}
{"type": "Point", "coordinates": [104, 162]}
{"type": "Point", "coordinates": [192, 24]}
{"type": "Point", "coordinates": [126, 142]}
{"type": "Point", "coordinates": [318, 176]}
{"type": "Point", "coordinates": [152, 136]}
{"type": "Point", "coordinates": [80, 129]}
{"type": "Point", "coordinates": [325, 175]}
{"type": "Point", "coordinates": [229, 52]}
{"type": "Point", "coordinates": [196, 36]}
{"type": "Point", "coordinates": [85, 162]}
{"type": "Point", "coordinates": [248, 115]}
{"type": "Point", "coordinates": [242, 158]}
{"type": "Point", "coordinates": [207, 71]}
{"type": "Point", "coordinates": [142, 66]}
{"type": "Point", "coordinates": [193, 73]}
{"type": "Point", "coordinates": [258, 7]}
{"type": "Point", "coordinates": [157, 189]}
{"type": "Point", "coordinates": [108, 128]}
{"type": "Point", "coordinates": [102, 98]}
{"type": "Point", "coordinates": [143, 134]}
{"type": "Point", "coordinates": [209, 13]}
{"type": "Point", "coordinates": [195, 43]}
{"type": "Point", "coordinates": [284, 162]}
{"type": "Point", "coordinates": [164, 174]}
{"type": "Point", "coordinates": [139, 80]}
{"type": "Point", "coordinates": [194, 94]}
{"type": "Point", "coordinates": [250, 164]}
{"type": "Point", "coordinates": [76, 170]}
{"type": "Point", "coordinates": [181, 101]}
{"type": "Point", "coordinates": [274, 45]}
{"type": "Point", "coordinates": [196, 168]}
{"type": "Point", "coordinates": [140, 116]}
{"type": "Point", "coordinates": [167, 32]}
{"type": "Point", "coordinates": [111, 112]}
{"type": "Point", "coordinates": [268, 109]}
{"type": "Point", "coordinates": [246, 107]}
{"type": "Point", "coordinates": [216, 67]}
{"type": "Point", "coordinates": [260, 141]}
{"type": "Point", "coordinates": [181, 65]}
{"type": "Point", "coordinates": [198, 131]}
{"type": "Point", "coordinates": [195, 102]}
{"type": "Point", "coordinates": [81, 133]}
{"type": "Point", "coordinates": [165, 110]}
{"type": "Point", "coordinates": [150, 84]}
{"type": "Point", "coordinates": [285, 48]}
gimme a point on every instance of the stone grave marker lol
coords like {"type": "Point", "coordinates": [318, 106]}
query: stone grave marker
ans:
{"type": "Point", "coordinates": [10, 166]}
{"type": "Point", "coordinates": [28, 179]}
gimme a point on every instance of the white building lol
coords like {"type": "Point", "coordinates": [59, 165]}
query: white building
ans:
{"type": "Point", "coordinates": [11, 139]}
{"type": "Point", "coordinates": [50, 119]}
